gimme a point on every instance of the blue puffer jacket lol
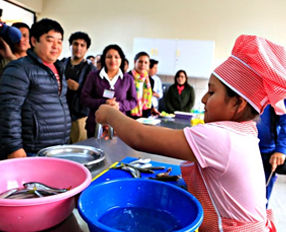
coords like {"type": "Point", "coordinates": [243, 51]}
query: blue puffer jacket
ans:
{"type": "Point", "coordinates": [32, 113]}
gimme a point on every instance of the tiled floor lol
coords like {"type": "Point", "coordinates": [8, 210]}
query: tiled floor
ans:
{"type": "Point", "coordinates": [277, 202]}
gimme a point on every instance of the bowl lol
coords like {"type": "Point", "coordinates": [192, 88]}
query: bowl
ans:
{"type": "Point", "coordinates": [86, 155]}
{"type": "Point", "coordinates": [183, 115]}
{"type": "Point", "coordinates": [139, 205]}
{"type": "Point", "coordinates": [37, 214]}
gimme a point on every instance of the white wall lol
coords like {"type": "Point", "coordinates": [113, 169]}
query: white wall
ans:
{"type": "Point", "coordinates": [119, 21]}
{"type": "Point", "coordinates": [34, 5]}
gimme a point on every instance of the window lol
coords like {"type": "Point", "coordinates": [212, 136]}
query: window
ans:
{"type": "Point", "coordinates": [12, 13]}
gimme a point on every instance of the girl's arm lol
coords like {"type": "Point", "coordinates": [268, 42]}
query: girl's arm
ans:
{"type": "Point", "coordinates": [152, 139]}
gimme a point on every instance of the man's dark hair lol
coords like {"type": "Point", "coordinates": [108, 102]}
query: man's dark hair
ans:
{"type": "Point", "coordinates": [44, 26]}
{"type": "Point", "coordinates": [139, 54]}
{"type": "Point", "coordinates": [90, 56]}
{"type": "Point", "coordinates": [120, 52]}
{"type": "Point", "coordinates": [20, 25]}
{"type": "Point", "coordinates": [153, 62]}
{"type": "Point", "coordinates": [80, 35]}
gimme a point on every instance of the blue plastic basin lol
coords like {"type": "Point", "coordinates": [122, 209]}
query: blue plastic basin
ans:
{"type": "Point", "coordinates": [139, 195]}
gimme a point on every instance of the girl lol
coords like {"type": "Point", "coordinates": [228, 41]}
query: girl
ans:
{"type": "Point", "coordinates": [223, 169]}
{"type": "Point", "coordinates": [109, 85]}
{"type": "Point", "coordinates": [180, 95]}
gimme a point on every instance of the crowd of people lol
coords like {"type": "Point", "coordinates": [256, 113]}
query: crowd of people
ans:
{"type": "Point", "coordinates": [86, 81]}
{"type": "Point", "coordinates": [45, 102]}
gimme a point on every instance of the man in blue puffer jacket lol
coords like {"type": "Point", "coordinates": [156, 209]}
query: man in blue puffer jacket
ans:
{"type": "Point", "coordinates": [33, 109]}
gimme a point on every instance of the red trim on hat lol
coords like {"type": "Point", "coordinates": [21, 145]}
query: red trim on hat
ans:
{"type": "Point", "coordinates": [257, 72]}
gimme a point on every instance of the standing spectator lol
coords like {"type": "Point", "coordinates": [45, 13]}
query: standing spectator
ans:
{"type": "Point", "coordinates": [33, 108]}
{"type": "Point", "coordinates": [272, 145]}
{"type": "Point", "coordinates": [126, 65]}
{"type": "Point", "coordinates": [98, 62]}
{"type": "Point", "coordinates": [76, 71]}
{"type": "Point", "coordinates": [20, 49]}
{"type": "Point", "coordinates": [143, 86]}
{"type": "Point", "coordinates": [155, 83]}
{"type": "Point", "coordinates": [110, 85]}
{"type": "Point", "coordinates": [91, 58]}
{"type": "Point", "coordinates": [180, 96]}
{"type": "Point", "coordinates": [17, 50]}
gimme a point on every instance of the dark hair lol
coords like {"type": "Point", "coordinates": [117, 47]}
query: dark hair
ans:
{"type": "Point", "coordinates": [127, 61]}
{"type": "Point", "coordinates": [80, 35]}
{"type": "Point", "coordinates": [90, 56]}
{"type": "Point", "coordinates": [139, 54]}
{"type": "Point", "coordinates": [249, 113]}
{"type": "Point", "coordinates": [44, 26]}
{"type": "Point", "coordinates": [178, 74]}
{"type": "Point", "coordinates": [152, 63]}
{"type": "Point", "coordinates": [120, 52]}
{"type": "Point", "coordinates": [20, 25]}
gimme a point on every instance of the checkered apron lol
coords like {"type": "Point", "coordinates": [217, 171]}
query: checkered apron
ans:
{"type": "Point", "coordinates": [193, 176]}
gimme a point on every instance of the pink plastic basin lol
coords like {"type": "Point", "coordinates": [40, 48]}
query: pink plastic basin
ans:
{"type": "Point", "coordinates": [40, 213]}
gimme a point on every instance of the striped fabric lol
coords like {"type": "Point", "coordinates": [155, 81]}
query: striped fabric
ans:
{"type": "Point", "coordinates": [247, 127]}
{"type": "Point", "coordinates": [197, 185]}
{"type": "Point", "coordinates": [56, 73]}
{"type": "Point", "coordinates": [212, 221]}
{"type": "Point", "coordinates": [257, 72]}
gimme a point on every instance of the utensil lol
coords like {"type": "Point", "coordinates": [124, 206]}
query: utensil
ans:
{"type": "Point", "coordinates": [269, 178]}
{"type": "Point", "coordinates": [86, 155]}
{"type": "Point", "coordinates": [99, 131]}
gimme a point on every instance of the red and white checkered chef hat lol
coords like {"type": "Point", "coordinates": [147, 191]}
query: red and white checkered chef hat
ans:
{"type": "Point", "coordinates": [256, 70]}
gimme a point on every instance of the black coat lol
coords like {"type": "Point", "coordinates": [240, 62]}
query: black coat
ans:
{"type": "Point", "coordinates": [176, 102]}
{"type": "Point", "coordinates": [76, 108]}
{"type": "Point", "coordinates": [32, 113]}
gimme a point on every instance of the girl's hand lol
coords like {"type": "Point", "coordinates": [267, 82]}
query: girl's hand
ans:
{"type": "Point", "coordinates": [103, 112]}
{"type": "Point", "coordinates": [112, 102]}
{"type": "Point", "coordinates": [277, 159]}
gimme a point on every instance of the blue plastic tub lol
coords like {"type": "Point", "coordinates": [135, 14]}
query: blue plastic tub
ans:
{"type": "Point", "coordinates": [139, 205]}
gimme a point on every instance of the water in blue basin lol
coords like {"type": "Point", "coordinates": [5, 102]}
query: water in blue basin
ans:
{"type": "Point", "coordinates": [138, 219]}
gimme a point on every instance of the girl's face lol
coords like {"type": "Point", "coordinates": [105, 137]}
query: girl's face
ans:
{"type": "Point", "coordinates": [218, 107]}
{"type": "Point", "coordinates": [142, 64]}
{"type": "Point", "coordinates": [112, 60]}
{"type": "Point", "coordinates": [181, 79]}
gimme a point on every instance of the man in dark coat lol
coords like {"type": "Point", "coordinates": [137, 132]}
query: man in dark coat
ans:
{"type": "Point", "coordinates": [76, 70]}
{"type": "Point", "coordinates": [33, 108]}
